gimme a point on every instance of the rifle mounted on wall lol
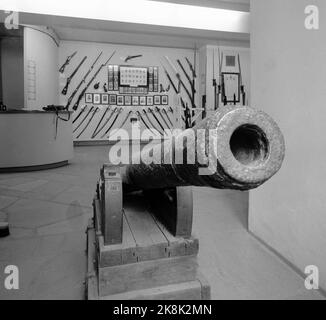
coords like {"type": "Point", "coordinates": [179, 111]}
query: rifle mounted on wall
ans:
{"type": "Point", "coordinates": [90, 82]}
{"type": "Point", "coordinates": [63, 67]}
{"type": "Point", "coordinates": [65, 89]}
{"type": "Point", "coordinates": [82, 81]}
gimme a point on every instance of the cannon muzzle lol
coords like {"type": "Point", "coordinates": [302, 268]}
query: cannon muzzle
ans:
{"type": "Point", "coordinates": [236, 148]}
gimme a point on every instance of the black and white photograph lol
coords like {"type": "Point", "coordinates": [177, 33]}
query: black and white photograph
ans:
{"type": "Point", "coordinates": [149, 100]}
{"type": "Point", "coordinates": [104, 98]}
{"type": "Point", "coordinates": [165, 100]}
{"type": "Point", "coordinates": [135, 100]}
{"type": "Point", "coordinates": [120, 100]}
{"type": "Point", "coordinates": [127, 100]}
{"type": "Point", "coordinates": [96, 98]}
{"type": "Point", "coordinates": [113, 99]}
{"type": "Point", "coordinates": [142, 100]}
{"type": "Point", "coordinates": [169, 151]}
{"type": "Point", "coordinates": [88, 98]}
{"type": "Point", "coordinates": [157, 100]}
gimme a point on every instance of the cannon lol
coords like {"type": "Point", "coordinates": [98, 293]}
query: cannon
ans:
{"type": "Point", "coordinates": [143, 211]}
{"type": "Point", "coordinates": [243, 146]}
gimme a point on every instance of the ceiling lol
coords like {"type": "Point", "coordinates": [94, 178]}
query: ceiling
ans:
{"type": "Point", "coordinates": [94, 30]}
{"type": "Point", "coordinates": [150, 39]}
{"type": "Point", "coordinates": [240, 5]}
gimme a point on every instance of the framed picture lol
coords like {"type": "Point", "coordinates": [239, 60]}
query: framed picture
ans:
{"type": "Point", "coordinates": [88, 98]}
{"type": "Point", "coordinates": [142, 101]}
{"type": "Point", "coordinates": [149, 100]}
{"type": "Point", "coordinates": [120, 100]}
{"type": "Point", "coordinates": [157, 100]}
{"type": "Point", "coordinates": [131, 76]}
{"type": "Point", "coordinates": [165, 100]}
{"type": "Point", "coordinates": [135, 101]}
{"type": "Point", "coordinates": [105, 98]}
{"type": "Point", "coordinates": [127, 100]}
{"type": "Point", "coordinates": [96, 98]}
{"type": "Point", "coordinates": [112, 99]}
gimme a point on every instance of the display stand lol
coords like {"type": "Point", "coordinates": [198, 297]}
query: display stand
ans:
{"type": "Point", "coordinates": [140, 245]}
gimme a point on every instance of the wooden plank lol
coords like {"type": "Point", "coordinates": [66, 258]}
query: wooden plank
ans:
{"type": "Point", "coordinates": [145, 275]}
{"type": "Point", "coordinates": [111, 203]}
{"type": "Point", "coordinates": [91, 277]}
{"type": "Point", "coordinates": [190, 291]}
{"type": "Point", "coordinates": [184, 212]}
{"type": "Point", "coordinates": [178, 246]}
{"type": "Point", "coordinates": [118, 254]}
{"type": "Point", "coordinates": [97, 190]}
{"type": "Point", "coordinates": [144, 238]}
{"type": "Point", "coordinates": [128, 252]}
{"type": "Point", "coordinates": [174, 208]}
{"type": "Point", "coordinates": [206, 288]}
{"type": "Point", "coordinates": [97, 216]}
{"type": "Point", "coordinates": [150, 241]}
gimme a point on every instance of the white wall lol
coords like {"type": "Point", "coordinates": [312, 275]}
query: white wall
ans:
{"type": "Point", "coordinates": [12, 72]}
{"type": "Point", "coordinates": [43, 52]}
{"type": "Point", "coordinates": [289, 82]}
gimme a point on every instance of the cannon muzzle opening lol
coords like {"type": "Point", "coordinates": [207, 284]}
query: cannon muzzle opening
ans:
{"type": "Point", "coordinates": [249, 145]}
{"type": "Point", "coordinates": [245, 148]}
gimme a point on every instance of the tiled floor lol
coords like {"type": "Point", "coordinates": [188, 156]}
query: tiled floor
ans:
{"type": "Point", "coordinates": [48, 212]}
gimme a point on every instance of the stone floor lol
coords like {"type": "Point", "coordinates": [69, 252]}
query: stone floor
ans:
{"type": "Point", "coordinates": [48, 212]}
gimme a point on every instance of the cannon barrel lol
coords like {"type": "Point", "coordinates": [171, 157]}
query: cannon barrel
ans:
{"type": "Point", "coordinates": [242, 147]}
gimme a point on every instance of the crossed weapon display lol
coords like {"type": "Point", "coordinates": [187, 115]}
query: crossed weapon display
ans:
{"type": "Point", "coordinates": [188, 117]}
{"type": "Point", "coordinates": [104, 122]}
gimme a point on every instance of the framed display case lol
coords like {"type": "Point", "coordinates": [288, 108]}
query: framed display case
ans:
{"type": "Point", "coordinates": [120, 100]}
{"type": "Point", "coordinates": [96, 98]}
{"type": "Point", "coordinates": [105, 98]}
{"type": "Point", "coordinates": [157, 100]}
{"type": "Point", "coordinates": [127, 100]}
{"type": "Point", "coordinates": [135, 101]}
{"type": "Point", "coordinates": [88, 98]}
{"type": "Point", "coordinates": [113, 99]}
{"type": "Point", "coordinates": [150, 100]}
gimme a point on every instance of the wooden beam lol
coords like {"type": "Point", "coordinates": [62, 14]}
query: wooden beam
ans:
{"type": "Point", "coordinates": [111, 203]}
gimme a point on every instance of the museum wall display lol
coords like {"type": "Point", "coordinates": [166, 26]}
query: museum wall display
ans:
{"type": "Point", "coordinates": [169, 97]}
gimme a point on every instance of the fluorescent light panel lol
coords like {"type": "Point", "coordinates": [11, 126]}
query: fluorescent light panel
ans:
{"type": "Point", "coordinates": [138, 11]}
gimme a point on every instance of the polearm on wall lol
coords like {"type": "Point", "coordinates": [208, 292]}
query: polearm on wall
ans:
{"type": "Point", "coordinates": [90, 81]}
{"type": "Point", "coordinates": [186, 74]}
{"type": "Point", "coordinates": [177, 74]}
{"type": "Point", "coordinates": [221, 88]}
{"type": "Point", "coordinates": [215, 83]}
{"type": "Point", "coordinates": [194, 76]}
{"type": "Point", "coordinates": [242, 89]}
